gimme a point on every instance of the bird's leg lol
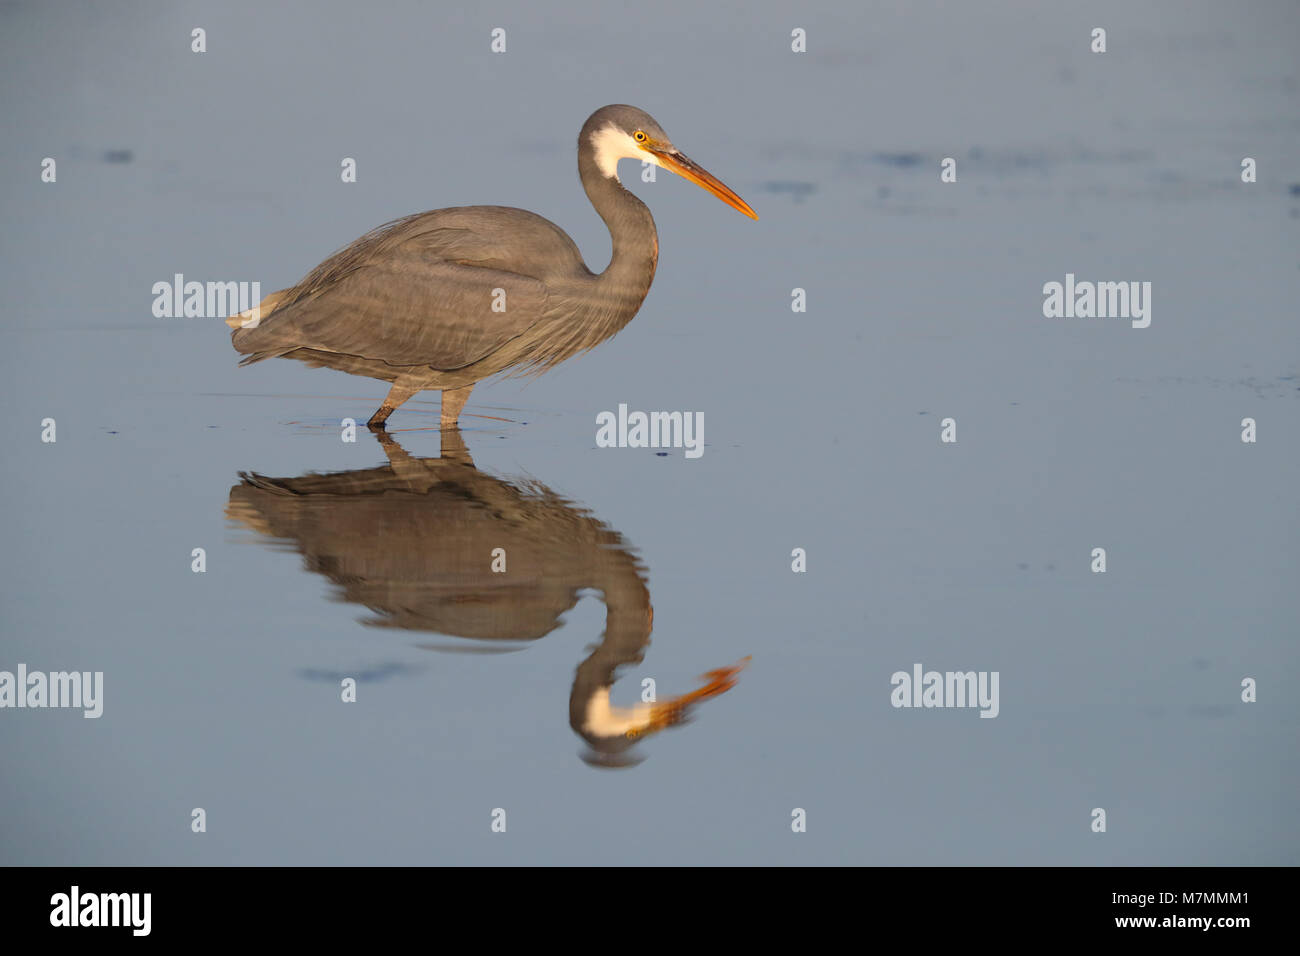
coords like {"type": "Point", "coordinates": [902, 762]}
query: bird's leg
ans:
{"type": "Point", "coordinates": [396, 396]}
{"type": "Point", "coordinates": [453, 447]}
{"type": "Point", "coordinates": [453, 400]}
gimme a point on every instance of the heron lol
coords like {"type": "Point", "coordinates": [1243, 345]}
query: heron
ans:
{"type": "Point", "coordinates": [441, 300]}
{"type": "Point", "coordinates": [416, 543]}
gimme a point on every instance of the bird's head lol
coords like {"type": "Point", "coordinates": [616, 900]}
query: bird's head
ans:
{"type": "Point", "coordinates": [611, 731]}
{"type": "Point", "coordinates": [625, 132]}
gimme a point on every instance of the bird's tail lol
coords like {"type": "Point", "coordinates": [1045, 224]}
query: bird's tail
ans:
{"type": "Point", "coordinates": [250, 318]}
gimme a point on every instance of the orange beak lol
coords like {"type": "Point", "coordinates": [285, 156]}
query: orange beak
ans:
{"type": "Point", "coordinates": [680, 164]}
{"type": "Point", "coordinates": [673, 711]}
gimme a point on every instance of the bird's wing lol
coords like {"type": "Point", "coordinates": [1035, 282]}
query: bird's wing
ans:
{"type": "Point", "coordinates": [428, 298]}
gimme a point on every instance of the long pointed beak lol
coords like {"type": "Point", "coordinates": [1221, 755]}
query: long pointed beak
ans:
{"type": "Point", "coordinates": [685, 167]}
{"type": "Point", "coordinates": [674, 710]}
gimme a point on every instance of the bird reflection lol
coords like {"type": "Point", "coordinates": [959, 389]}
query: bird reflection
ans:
{"type": "Point", "coordinates": [416, 541]}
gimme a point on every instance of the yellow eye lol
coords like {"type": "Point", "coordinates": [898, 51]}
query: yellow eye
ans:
{"type": "Point", "coordinates": [639, 136]}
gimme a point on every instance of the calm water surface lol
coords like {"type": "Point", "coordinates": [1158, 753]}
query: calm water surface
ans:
{"type": "Point", "coordinates": [361, 559]}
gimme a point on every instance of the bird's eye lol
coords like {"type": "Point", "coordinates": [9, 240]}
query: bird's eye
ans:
{"type": "Point", "coordinates": [639, 136]}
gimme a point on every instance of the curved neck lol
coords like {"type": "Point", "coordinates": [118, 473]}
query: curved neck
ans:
{"type": "Point", "coordinates": [631, 268]}
{"type": "Point", "coordinates": [629, 619]}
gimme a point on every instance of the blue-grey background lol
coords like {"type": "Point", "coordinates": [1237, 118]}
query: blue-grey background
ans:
{"type": "Point", "coordinates": [924, 301]}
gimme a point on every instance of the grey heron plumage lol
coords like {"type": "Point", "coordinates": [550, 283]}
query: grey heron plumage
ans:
{"type": "Point", "coordinates": [444, 299]}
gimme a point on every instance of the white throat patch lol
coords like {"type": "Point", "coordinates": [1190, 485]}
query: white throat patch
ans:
{"type": "Point", "coordinates": [604, 719]}
{"type": "Point", "coordinates": [612, 144]}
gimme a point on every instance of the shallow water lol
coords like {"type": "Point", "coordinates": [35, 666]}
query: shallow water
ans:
{"type": "Point", "coordinates": [1118, 690]}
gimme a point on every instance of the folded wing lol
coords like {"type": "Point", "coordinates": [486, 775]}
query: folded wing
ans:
{"type": "Point", "coordinates": [413, 292]}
